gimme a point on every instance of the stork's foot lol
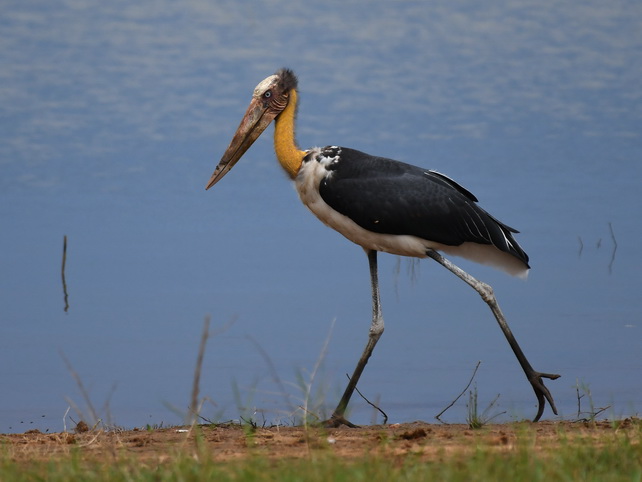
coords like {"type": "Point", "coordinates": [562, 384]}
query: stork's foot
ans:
{"type": "Point", "coordinates": [337, 420]}
{"type": "Point", "coordinates": [541, 392]}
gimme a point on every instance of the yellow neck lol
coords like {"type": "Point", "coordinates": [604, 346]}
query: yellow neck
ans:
{"type": "Point", "coordinates": [285, 146]}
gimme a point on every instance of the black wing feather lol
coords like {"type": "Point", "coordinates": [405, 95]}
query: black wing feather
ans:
{"type": "Point", "coordinates": [392, 197]}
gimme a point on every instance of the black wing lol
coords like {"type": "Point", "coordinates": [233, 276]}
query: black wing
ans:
{"type": "Point", "coordinates": [392, 197]}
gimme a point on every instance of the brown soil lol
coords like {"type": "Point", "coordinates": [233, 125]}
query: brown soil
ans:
{"type": "Point", "coordinates": [229, 442]}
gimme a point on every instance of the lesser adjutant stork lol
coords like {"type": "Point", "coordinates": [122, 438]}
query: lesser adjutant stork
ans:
{"type": "Point", "coordinates": [384, 205]}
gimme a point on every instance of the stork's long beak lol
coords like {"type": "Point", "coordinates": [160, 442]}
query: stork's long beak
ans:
{"type": "Point", "coordinates": [256, 119]}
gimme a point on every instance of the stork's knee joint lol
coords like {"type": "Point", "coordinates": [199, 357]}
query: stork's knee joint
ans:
{"type": "Point", "coordinates": [376, 328]}
{"type": "Point", "coordinates": [486, 292]}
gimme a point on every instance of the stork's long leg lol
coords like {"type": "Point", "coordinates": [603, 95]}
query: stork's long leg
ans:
{"type": "Point", "coordinates": [486, 292]}
{"type": "Point", "coordinates": [376, 329]}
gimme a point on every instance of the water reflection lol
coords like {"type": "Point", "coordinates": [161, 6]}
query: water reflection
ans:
{"type": "Point", "coordinates": [113, 116]}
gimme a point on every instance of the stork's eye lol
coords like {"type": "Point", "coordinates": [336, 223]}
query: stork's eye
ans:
{"type": "Point", "coordinates": [267, 94]}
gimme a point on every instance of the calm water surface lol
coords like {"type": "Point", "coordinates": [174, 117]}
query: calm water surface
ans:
{"type": "Point", "coordinates": [114, 115]}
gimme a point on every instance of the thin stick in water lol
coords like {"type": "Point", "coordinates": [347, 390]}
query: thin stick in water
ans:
{"type": "Point", "coordinates": [459, 396]}
{"type": "Point", "coordinates": [64, 282]}
{"type": "Point", "coordinates": [614, 248]}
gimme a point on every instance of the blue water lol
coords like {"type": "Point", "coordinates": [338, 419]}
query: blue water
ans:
{"type": "Point", "coordinates": [113, 116]}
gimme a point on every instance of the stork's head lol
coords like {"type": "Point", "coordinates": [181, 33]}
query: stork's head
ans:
{"type": "Point", "coordinates": [270, 98]}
